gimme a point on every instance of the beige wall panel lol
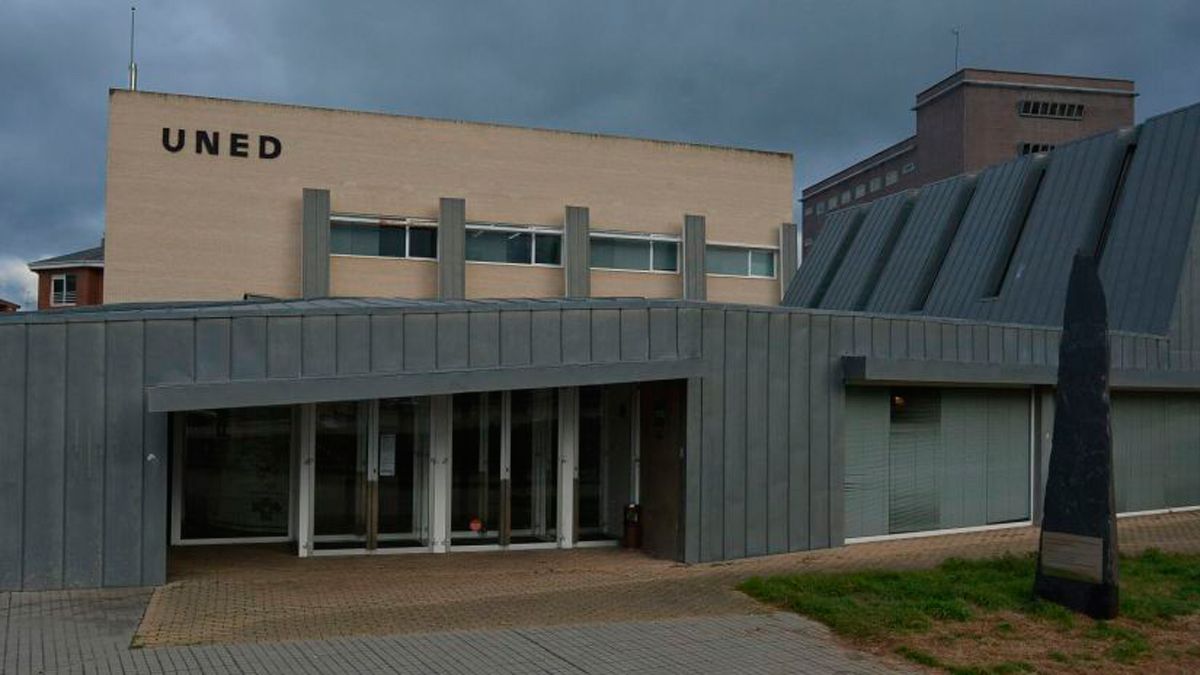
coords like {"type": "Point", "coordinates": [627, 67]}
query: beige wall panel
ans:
{"type": "Point", "coordinates": [486, 280]}
{"type": "Point", "coordinates": [355, 276]}
{"type": "Point", "coordinates": [190, 226]}
{"type": "Point", "coordinates": [617, 284]}
{"type": "Point", "coordinates": [743, 291]}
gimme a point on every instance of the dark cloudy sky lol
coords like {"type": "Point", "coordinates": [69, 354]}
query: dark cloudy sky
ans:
{"type": "Point", "coordinates": [828, 81]}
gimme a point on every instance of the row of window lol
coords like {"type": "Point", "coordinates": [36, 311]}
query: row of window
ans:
{"type": "Point", "coordinates": [1065, 111]}
{"type": "Point", "coordinates": [1030, 148]}
{"type": "Point", "coordinates": [875, 185]}
{"type": "Point", "coordinates": [519, 245]}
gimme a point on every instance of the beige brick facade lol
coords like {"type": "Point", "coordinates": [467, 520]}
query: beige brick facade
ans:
{"type": "Point", "coordinates": [188, 225]}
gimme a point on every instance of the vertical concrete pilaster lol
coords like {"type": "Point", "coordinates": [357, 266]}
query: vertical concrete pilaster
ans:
{"type": "Point", "coordinates": [695, 280]}
{"type": "Point", "coordinates": [788, 257]}
{"type": "Point", "coordinates": [452, 249]}
{"type": "Point", "coordinates": [314, 256]}
{"type": "Point", "coordinates": [441, 426]}
{"type": "Point", "coordinates": [577, 252]}
{"type": "Point", "coordinates": [568, 466]}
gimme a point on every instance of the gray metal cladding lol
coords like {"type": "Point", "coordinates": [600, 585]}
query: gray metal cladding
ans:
{"type": "Point", "coordinates": [12, 453]}
{"type": "Point", "coordinates": [695, 242]}
{"type": "Point", "coordinates": [1143, 255]}
{"type": "Point", "coordinates": [809, 284]}
{"type": "Point", "coordinates": [1133, 196]}
{"type": "Point", "coordinates": [1067, 215]}
{"type": "Point", "coordinates": [315, 236]}
{"type": "Point", "coordinates": [576, 253]}
{"type": "Point", "coordinates": [788, 256]}
{"type": "Point", "coordinates": [995, 212]}
{"type": "Point", "coordinates": [855, 278]}
{"type": "Point", "coordinates": [764, 462]}
{"type": "Point", "coordinates": [452, 249]}
{"type": "Point", "coordinates": [921, 246]}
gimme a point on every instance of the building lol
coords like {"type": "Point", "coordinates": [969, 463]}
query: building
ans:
{"type": "Point", "coordinates": [71, 280]}
{"type": "Point", "coordinates": [973, 119]}
{"type": "Point", "coordinates": [228, 175]}
{"type": "Point", "coordinates": [930, 411]}
{"type": "Point", "coordinates": [6, 306]}
{"type": "Point", "coordinates": [897, 390]}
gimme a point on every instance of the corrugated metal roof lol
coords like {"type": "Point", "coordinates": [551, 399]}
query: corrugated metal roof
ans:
{"type": "Point", "coordinates": [922, 244]}
{"type": "Point", "coordinates": [984, 237]}
{"type": "Point", "coordinates": [1131, 195]}
{"type": "Point", "coordinates": [813, 277]}
{"type": "Point", "coordinates": [1148, 238]}
{"type": "Point", "coordinates": [860, 267]}
{"type": "Point", "coordinates": [1067, 215]}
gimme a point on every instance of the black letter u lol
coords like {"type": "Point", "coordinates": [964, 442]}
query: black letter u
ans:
{"type": "Point", "coordinates": [167, 140]}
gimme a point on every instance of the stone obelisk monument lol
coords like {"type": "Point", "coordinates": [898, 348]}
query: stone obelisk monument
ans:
{"type": "Point", "coordinates": [1077, 558]}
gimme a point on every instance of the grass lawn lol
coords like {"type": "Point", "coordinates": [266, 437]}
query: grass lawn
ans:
{"type": "Point", "coordinates": [981, 617]}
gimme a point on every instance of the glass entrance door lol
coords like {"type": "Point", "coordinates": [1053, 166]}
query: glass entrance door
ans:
{"type": "Point", "coordinates": [371, 475]}
{"type": "Point", "coordinates": [504, 483]}
{"type": "Point", "coordinates": [403, 473]}
{"type": "Point", "coordinates": [340, 508]}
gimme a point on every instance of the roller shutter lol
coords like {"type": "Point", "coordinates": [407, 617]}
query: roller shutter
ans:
{"type": "Point", "coordinates": [927, 459]}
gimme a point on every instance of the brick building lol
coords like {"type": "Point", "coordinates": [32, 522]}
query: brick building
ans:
{"type": "Point", "coordinates": [6, 306]}
{"type": "Point", "coordinates": [71, 280]}
{"type": "Point", "coordinates": [973, 119]}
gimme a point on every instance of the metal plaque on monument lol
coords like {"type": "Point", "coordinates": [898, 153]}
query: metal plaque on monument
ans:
{"type": "Point", "coordinates": [1077, 556]}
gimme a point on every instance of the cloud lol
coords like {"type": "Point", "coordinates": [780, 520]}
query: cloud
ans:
{"type": "Point", "coordinates": [17, 283]}
{"type": "Point", "coordinates": [828, 81]}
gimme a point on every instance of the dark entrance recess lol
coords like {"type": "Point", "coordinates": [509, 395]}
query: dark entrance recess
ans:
{"type": "Point", "coordinates": [663, 417]}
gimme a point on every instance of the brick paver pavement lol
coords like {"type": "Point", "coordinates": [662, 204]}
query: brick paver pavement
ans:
{"type": "Point", "coordinates": [258, 609]}
{"type": "Point", "coordinates": [253, 594]}
{"type": "Point", "coordinates": [89, 632]}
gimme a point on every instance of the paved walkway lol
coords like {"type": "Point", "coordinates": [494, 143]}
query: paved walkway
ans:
{"type": "Point", "coordinates": [258, 609]}
{"type": "Point", "coordinates": [89, 632]}
{"type": "Point", "coordinates": [265, 594]}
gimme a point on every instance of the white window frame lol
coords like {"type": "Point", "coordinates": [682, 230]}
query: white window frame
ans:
{"type": "Point", "coordinates": [532, 230]}
{"type": "Point", "coordinates": [54, 295]}
{"type": "Point", "coordinates": [648, 237]}
{"type": "Point", "coordinates": [773, 250]}
{"type": "Point", "coordinates": [908, 168]}
{"type": "Point", "coordinates": [891, 178]}
{"type": "Point", "coordinates": [387, 221]}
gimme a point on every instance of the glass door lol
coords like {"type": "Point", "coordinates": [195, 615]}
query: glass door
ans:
{"type": "Point", "coordinates": [371, 475]}
{"type": "Point", "coordinates": [403, 473]}
{"type": "Point", "coordinates": [504, 483]}
{"type": "Point", "coordinates": [340, 510]}
{"type": "Point", "coordinates": [533, 466]}
{"type": "Point", "coordinates": [478, 511]}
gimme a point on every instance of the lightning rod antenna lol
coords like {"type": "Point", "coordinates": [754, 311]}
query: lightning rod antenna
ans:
{"type": "Point", "coordinates": [132, 63]}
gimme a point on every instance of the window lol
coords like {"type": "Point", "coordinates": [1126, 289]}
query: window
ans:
{"type": "Point", "coordinates": [234, 481]}
{"type": "Point", "coordinates": [845, 196]}
{"type": "Point", "coordinates": [1063, 111]}
{"type": "Point", "coordinates": [860, 191]}
{"type": "Point", "coordinates": [808, 210]}
{"type": "Point", "coordinates": [62, 290]}
{"type": "Point", "coordinates": [740, 261]}
{"type": "Point", "coordinates": [908, 168]}
{"type": "Point", "coordinates": [820, 208]}
{"type": "Point", "coordinates": [876, 184]}
{"type": "Point", "coordinates": [891, 178]}
{"type": "Point", "coordinates": [513, 244]}
{"type": "Point", "coordinates": [1030, 148]}
{"type": "Point", "coordinates": [640, 252]}
{"type": "Point", "coordinates": [403, 238]}
{"type": "Point", "coordinates": [833, 203]}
